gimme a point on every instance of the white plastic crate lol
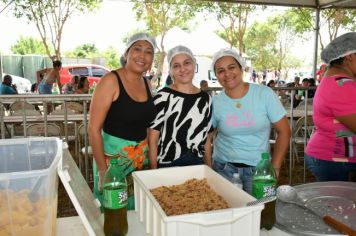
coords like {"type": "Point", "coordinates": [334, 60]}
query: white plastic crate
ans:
{"type": "Point", "coordinates": [236, 220]}
{"type": "Point", "coordinates": [29, 186]}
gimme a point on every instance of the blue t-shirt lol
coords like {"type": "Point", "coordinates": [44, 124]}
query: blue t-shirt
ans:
{"type": "Point", "coordinates": [244, 124]}
{"type": "Point", "coordinates": [5, 89]}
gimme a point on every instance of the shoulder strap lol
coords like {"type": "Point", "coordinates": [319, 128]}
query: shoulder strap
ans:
{"type": "Point", "coordinates": [118, 79]}
{"type": "Point", "coordinates": [149, 94]}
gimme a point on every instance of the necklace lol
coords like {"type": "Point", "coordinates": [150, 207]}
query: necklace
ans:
{"type": "Point", "coordinates": [238, 105]}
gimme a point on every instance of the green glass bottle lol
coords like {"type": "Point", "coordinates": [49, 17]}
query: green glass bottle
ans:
{"type": "Point", "coordinates": [264, 184]}
{"type": "Point", "coordinates": [115, 201]}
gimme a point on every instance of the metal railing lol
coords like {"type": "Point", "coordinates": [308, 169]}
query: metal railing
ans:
{"type": "Point", "coordinates": [66, 118]}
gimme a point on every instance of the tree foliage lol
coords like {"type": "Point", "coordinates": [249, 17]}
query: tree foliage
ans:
{"type": "Point", "coordinates": [112, 58]}
{"type": "Point", "coordinates": [87, 50]}
{"type": "Point", "coordinates": [334, 20]}
{"type": "Point", "coordinates": [28, 45]}
{"type": "Point", "coordinates": [233, 18]}
{"type": "Point", "coordinates": [268, 43]}
{"type": "Point", "coordinates": [50, 17]}
{"type": "Point", "coordinates": [162, 15]}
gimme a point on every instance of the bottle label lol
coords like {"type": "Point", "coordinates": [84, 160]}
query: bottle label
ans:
{"type": "Point", "coordinates": [115, 198]}
{"type": "Point", "coordinates": [262, 189]}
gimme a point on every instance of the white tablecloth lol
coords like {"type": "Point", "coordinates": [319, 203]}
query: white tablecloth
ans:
{"type": "Point", "coordinates": [73, 226]}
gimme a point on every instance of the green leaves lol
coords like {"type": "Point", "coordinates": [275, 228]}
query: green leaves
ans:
{"type": "Point", "coordinates": [28, 45]}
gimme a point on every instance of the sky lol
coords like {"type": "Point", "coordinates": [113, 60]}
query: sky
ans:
{"type": "Point", "coordinates": [105, 27]}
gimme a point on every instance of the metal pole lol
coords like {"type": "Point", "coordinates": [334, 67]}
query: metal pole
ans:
{"type": "Point", "coordinates": [316, 41]}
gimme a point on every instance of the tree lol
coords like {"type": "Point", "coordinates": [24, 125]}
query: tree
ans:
{"type": "Point", "coordinates": [233, 18]}
{"type": "Point", "coordinates": [28, 45]}
{"type": "Point", "coordinates": [50, 17]}
{"type": "Point", "coordinates": [333, 19]}
{"type": "Point", "coordinates": [112, 57]}
{"type": "Point", "coordinates": [86, 50]}
{"type": "Point", "coordinates": [162, 15]}
{"type": "Point", "coordinates": [268, 44]}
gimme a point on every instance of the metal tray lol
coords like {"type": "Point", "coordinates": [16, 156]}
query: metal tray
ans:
{"type": "Point", "coordinates": [336, 199]}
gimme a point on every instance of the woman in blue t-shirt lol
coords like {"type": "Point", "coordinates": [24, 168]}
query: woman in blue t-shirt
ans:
{"type": "Point", "coordinates": [243, 114]}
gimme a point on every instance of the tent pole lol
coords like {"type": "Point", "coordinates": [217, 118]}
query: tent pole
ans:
{"type": "Point", "coordinates": [316, 40]}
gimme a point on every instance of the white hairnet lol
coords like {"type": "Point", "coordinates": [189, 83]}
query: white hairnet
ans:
{"type": "Point", "coordinates": [179, 50]}
{"type": "Point", "coordinates": [340, 47]}
{"type": "Point", "coordinates": [141, 36]}
{"type": "Point", "coordinates": [227, 52]}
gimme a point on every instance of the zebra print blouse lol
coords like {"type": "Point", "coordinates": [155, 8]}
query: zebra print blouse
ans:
{"type": "Point", "coordinates": [184, 121]}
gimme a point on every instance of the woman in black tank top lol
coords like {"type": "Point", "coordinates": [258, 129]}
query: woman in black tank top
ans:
{"type": "Point", "coordinates": [120, 113]}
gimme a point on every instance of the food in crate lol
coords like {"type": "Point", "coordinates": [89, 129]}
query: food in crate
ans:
{"type": "Point", "coordinates": [190, 197]}
{"type": "Point", "coordinates": [27, 217]}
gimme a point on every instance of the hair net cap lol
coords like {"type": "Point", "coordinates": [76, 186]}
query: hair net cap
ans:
{"type": "Point", "coordinates": [227, 52]}
{"type": "Point", "coordinates": [340, 47]}
{"type": "Point", "coordinates": [179, 50]}
{"type": "Point", "coordinates": [141, 36]}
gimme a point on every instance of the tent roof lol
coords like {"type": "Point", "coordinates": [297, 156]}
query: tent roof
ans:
{"type": "Point", "coordinates": [322, 4]}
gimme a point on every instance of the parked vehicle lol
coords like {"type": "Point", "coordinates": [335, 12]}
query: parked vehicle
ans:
{"type": "Point", "coordinates": [23, 85]}
{"type": "Point", "coordinates": [93, 72]}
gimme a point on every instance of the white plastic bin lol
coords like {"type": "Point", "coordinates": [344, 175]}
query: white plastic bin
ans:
{"type": "Point", "coordinates": [29, 186]}
{"type": "Point", "coordinates": [236, 220]}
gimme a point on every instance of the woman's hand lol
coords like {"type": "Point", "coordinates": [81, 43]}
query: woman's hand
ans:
{"type": "Point", "coordinates": [153, 136]}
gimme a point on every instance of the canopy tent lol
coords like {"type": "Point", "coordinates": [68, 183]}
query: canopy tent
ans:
{"type": "Point", "coordinates": [319, 4]}
{"type": "Point", "coordinates": [316, 4]}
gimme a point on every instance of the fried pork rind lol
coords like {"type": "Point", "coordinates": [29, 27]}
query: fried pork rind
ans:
{"type": "Point", "coordinates": [190, 197]}
{"type": "Point", "coordinates": [20, 215]}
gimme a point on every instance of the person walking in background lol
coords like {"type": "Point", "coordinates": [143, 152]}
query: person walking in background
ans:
{"type": "Point", "coordinates": [50, 76]}
{"type": "Point", "coordinates": [83, 85]}
{"type": "Point", "coordinates": [271, 83]}
{"type": "Point", "coordinates": [243, 114]}
{"type": "Point", "coordinates": [71, 86]}
{"type": "Point", "coordinates": [120, 112]}
{"type": "Point", "coordinates": [178, 133]}
{"type": "Point", "coordinates": [7, 87]}
{"type": "Point", "coordinates": [331, 151]}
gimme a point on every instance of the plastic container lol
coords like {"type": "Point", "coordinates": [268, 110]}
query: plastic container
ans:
{"type": "Point", "coordinates": [29, 186]}
{"type": "Point", "coordinates": [236, 220]}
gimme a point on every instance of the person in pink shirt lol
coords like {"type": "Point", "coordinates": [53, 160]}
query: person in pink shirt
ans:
{"type": "Point", "coordinates": [331, 152]}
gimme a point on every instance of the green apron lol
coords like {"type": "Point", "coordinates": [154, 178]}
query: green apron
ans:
{"type": "Point", "coordinates": [132, 156]}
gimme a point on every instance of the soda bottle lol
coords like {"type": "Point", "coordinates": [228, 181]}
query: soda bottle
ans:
{"type": "Point", "coordinates": [264, 183]}
{"type": "Point", "coordinates": [115, 200]}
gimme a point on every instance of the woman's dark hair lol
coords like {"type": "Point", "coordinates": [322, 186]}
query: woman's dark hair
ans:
{"type": "Point", "coordinates": [57, 63]}
{"type": "Point", "coordinates": [81, 82]}
{"type": "Point", "coordinates": [76, 79]}
{"type": "Point", "coordinates": [338, 61]}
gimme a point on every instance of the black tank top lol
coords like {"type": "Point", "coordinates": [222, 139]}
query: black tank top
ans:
{"type": "Point", "coordinates": [128, 119]}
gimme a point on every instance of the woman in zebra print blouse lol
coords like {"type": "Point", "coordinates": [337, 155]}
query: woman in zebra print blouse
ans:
{"type": "Point", "coordinates": [178, 133]}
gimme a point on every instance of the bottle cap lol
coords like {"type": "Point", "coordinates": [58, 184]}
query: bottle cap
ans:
{"type": "Point", "coordinates": [114, 161]}
{"type": "Point", "coordinates": [265, 156]}
{"type": "Point", "coordinates": [236, 175]}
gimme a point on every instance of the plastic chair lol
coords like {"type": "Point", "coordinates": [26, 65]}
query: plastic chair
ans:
{"type": "Point", "coordinates": [18, 105]}
{"type": "Point", "coordinates": [38, 129]}
{"type": "Point", "coordinates": [302, 133]}
{"type": "Point", "coordinates": [75, 107]}
{"type": "Point", "coordinates": [83, 142]}
{"type": "Point", "coordinates": [17, 108]}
